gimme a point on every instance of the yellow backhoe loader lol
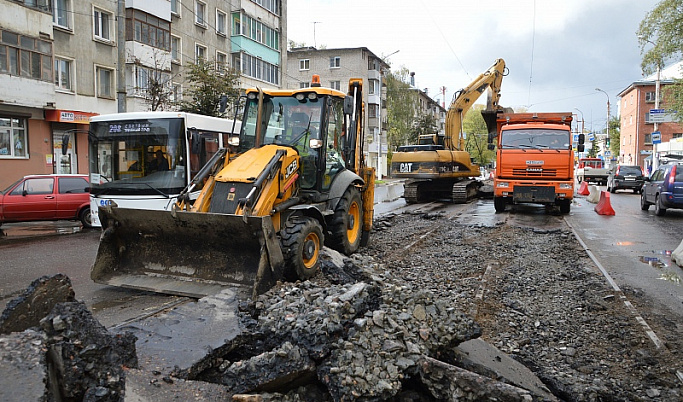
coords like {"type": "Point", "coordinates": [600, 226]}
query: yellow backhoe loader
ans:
{"type": "Point", "coordinates": [439, 167]}
{"type": "Point", "coordinates": [293, 180]}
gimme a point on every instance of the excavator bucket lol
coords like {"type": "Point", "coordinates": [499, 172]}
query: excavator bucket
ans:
{"type": "Point", "coordinates": [187, 253]}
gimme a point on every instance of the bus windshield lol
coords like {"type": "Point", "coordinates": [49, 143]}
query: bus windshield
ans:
{"type": "Point", "coordinates": [138, 157]}
{"type": "Point", "coordinates": [535, 139]}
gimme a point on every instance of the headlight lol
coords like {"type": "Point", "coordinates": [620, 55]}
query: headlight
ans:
{"type": "Point", "coordinates": [503, 184]}
{"type": "Point", "coordinates": [566, 186]}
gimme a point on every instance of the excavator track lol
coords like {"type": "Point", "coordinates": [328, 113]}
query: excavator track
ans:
{"type": "Point", "coordinates": [465, 190]}
{"type": "Point", "coordinates": [411, 193]}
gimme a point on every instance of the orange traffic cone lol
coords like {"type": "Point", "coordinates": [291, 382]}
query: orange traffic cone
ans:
{"type": "Point", "coordinates": [583, 188]}
{"type": "Point", "coordinates": [604, 207]}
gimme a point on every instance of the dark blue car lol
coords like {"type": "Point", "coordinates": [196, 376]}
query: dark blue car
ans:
{"type": "Point", "coordinates": [663, 189]}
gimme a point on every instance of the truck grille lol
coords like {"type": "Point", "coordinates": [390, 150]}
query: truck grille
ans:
{"type": "Point", "coordinates": [528, 173]}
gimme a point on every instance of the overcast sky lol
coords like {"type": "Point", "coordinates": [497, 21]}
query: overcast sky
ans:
{"type": "Point", "coordinates": [557, 51]}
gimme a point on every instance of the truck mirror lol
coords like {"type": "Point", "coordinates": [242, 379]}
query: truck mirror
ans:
{"type": "Point", "coordinates": [492, 136]}
{"type": "Point", "coordinates": [490, 146]}
{"type": "Point", "coordinates": [348, 105]}
{"type": "Point", "coordinates": [223, 104]}
{"type": "Point", "coordinates": [195, 141]}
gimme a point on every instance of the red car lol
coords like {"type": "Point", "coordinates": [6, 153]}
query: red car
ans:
{"type": "Point", "coordinates": [47, 198]}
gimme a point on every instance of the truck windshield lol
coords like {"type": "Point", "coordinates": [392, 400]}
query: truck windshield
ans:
{"type": "Point", "coordinates": [535, 138]}
{"type": "Point", "coordinates": [138, 157]}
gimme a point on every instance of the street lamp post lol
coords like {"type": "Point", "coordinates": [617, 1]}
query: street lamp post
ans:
{"type": "Point", "coordinates": [655, 155]}
{"type": "Point", "coordinates": [608, 114]}
{"type": "Point", "coordinates": [582, 120]}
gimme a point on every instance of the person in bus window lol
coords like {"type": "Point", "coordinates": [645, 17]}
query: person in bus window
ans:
{"type": "Point", "coordinates": [159, 163]}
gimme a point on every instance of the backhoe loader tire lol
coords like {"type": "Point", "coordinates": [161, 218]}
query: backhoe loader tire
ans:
{"type": "Point", "coordinates": [347, 223]}
{"type": "Point", "coordinates": [302, 239]}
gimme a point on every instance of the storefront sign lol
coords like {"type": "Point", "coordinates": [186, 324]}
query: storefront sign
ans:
{"type": "Point", "coordinates": [68, 116]}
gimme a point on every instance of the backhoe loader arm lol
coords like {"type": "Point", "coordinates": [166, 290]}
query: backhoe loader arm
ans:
{"type": "Point", "coordinates": [466, 97]}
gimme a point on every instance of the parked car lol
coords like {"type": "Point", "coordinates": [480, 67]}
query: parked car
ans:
{"type": "Point", "coordinates": [625, 177]}
{"type": "Point", "coordinates": [47, 197]}
{"type": "Point", "coordinates": [663, 189]}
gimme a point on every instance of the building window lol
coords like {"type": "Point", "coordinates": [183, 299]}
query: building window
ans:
{"type": "Point", "coordinates": [303, 85]}
{"type": "Point", "coordinates": [148, 29]}
{"type": "Point", "coordinates": [221, 19]}
{"type": "Point", "coordinates": [254, 67]}
{"type": "Point", "coordinates": [176, 93]}
{"type": "Point", "coordinates": [176, 49]}
{"type": "Point", "coordinates": [304, 64]}
{"type": "Point", "coordinates": [648, 139]}
{"type": "Point", "coordinates": [650, 97]}
{"type": "Point", "coordinates": [142, 76]}
{"type": "Point", "coordinates": [335, 62]}
{"type": "Point", "coordinates": [13, 139]}
{"type": "Point", "coordinates": [199, 52]}
{"type": "Point", "coordinates": [221, 62]}
{"type": "Point", "coordinates": [335, 85]}
{"type": "Point", "coordinates": [175, 7]}
{"type": "Point", "coordinates": [200, 13]}
{"type": "Point", "coordinates": [102, 24]}
{"type": "Point", "coordinates": [63, 74]}
{"type": "Point", "coordinates": [271, 5]}
{"type": "Point", "coordinates": [61, 13]}
{"type": "Point", "coordinates": [25, 56]}
{"type": "Point", "coordinates": [373, 87]}
{"type": "Point", "coordinates": [104, 78]}
{"type": "Point", "coordinates": [255, 30]}
{"type": "Point", "coordinates": [373, 109]}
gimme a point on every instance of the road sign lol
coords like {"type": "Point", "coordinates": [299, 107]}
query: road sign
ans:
{"type": "Point", "coordinates": [657, 115]}
{"type": "Point", "coordinates": [657, 137]}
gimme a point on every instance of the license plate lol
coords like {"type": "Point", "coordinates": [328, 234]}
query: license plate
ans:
{"type": "Point", "coordinates": [630, 178]}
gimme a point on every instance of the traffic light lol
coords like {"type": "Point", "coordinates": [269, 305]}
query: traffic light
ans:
{"type": "Point", "coordinates": [607, 142]}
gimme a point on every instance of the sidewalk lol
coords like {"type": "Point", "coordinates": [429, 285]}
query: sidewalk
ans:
{"type": "Point", "coordinates": [23, 230]}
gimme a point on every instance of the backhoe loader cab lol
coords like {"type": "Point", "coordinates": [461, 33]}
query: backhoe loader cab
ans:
{"type": "Point", "coordinates": [295, 179]}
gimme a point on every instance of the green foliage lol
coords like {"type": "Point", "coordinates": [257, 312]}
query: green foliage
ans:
{"type": "Point", "coordinates": [401, 109]}
{"type": "Point", "coordinates": [614, 135]}
{"type": "Point", "coordinates": [477, 136]}
{"type": "Point", "coordinates": [208, 82]}
{"type": "Point", "coordinates": [660, 32]}
{"type": "Point", "coordinates": [425, 124]}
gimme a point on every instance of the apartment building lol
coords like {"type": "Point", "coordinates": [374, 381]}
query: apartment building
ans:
{"type": "Point", "coordinates": [60, 64]}
{"type": "Point", "coordinates": [335, 67]}
{"type": "Point", "coordinates": [637, 125]}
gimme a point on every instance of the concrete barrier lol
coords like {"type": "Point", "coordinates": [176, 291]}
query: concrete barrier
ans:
{"type": "Point", "coordinates": [677, 255]}
{"type": "Point", "coordinates": [594, 195]}
{"type": "Point", "coordinates": [388, 192]}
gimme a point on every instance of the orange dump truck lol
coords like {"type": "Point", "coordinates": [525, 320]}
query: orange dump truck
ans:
{"type": "Point", "coordinates": [535, 159]}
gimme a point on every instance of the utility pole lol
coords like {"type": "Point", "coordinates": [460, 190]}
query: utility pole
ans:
{"type": "Point", "coordinates": [655, 155]}
{"type": "Point", "coordinates": [121, 67]}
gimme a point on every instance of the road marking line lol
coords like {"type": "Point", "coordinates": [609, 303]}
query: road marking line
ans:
{"type": "Point", "coordinates": [648, 330]}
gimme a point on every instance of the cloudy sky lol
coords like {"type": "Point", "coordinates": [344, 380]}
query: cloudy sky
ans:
{"type": "Point", "coordinates": [557, 51]}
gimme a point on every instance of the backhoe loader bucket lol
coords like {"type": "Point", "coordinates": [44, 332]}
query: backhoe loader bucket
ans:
{"type": "Point", "coordinates": [187, 253]}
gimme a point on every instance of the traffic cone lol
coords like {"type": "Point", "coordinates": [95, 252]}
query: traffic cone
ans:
{"type": "Point", "coordinates": [604, 207]}
{"type": "Point", "coordinates": [583, 188]}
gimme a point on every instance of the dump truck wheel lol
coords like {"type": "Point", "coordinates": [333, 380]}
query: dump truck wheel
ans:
{"type": "Point", "coordinates": [302, 239]}
{"type": "Point", "coordinates": [347, 223]}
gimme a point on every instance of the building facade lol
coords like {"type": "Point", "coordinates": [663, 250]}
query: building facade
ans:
{"type": "Point", "coordinates": [637, 125]}
{"type": "Point", "coordinates": [60, 64]}
{"type": "Point", "coordinates": [335, 67]}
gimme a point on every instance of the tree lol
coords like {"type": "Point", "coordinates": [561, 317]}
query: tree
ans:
{"type": "Point", "coordinates": [209, 81]}
{"type": "Point", "coordinates": [661, 29]}
{"type": "Point", "coordinates": [476, 142]}
{"type": "Point", "coordinates": [158, 93]}
{"type": "Point", "coordinates": [614, 135]}
{"type": "Point", "coordinates": [401, 109]}
{"type": "Point", "coordinates": [425, 124]}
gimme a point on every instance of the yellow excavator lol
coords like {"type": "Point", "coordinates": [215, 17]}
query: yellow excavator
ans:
{"type": "Point", "coordinates": [292, 181]}
{"type": "Point", "coordinates": [439, 167]}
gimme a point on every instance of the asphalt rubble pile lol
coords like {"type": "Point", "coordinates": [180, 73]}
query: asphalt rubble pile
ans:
{"type": "Point", "coordinates": [53, 349]}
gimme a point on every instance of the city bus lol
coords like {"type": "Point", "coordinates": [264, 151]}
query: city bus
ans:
{"type": "Point", "coordinates": [143, 160]}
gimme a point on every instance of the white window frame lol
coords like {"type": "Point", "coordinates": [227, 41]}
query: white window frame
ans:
{"type": "Point", "coordinates": [200, 13]}
{"type": "Point", "coordinates": [197, 47]}
{"type": "Point", "coordinates": [8, 150]}
{"type": "Point", "coordinates": [304, 64]}
{"type": "Point", "coordinates": [303, 85]}
{"type": "Point", "coordinates": [58, 13]}
{"type": "Point", "coordinates": [98, 30]}
{"type": "Point", "coordinates": [373, 87]}
{"type": "Point", "coordinates": [223, 31]}
{"type": "Point", "coordinates": [221, 65]}
{"type": "Point", "coordinates": [335, 62]}
{"type": "Point", "coordinates": [59, 73]}
{"type": "Point", "coordinates": [178, 7]}
{"type": "Point", "coordinates": [176, 92]}
{"type": "Point", "coordinates": [335, 85]}
{"type": "Point", "coordinates": [142, 75]}
{"type": "Point", "coordinates": [98, 84]}
{"type": "Point", "coordinates": [178, 51]}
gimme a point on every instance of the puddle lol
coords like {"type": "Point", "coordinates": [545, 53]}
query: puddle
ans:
{"type": "Point", "coordinates": [671, 277]}
{"type": "Point", "coordinates": [652, 261]}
